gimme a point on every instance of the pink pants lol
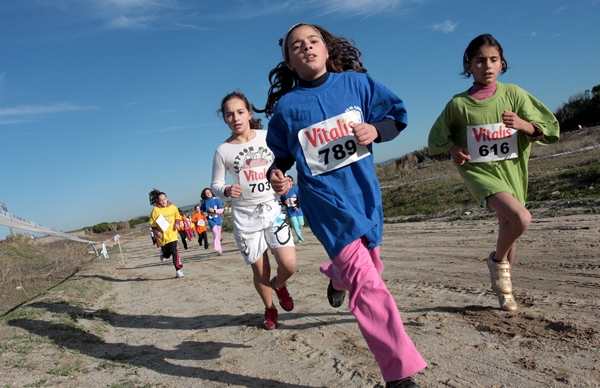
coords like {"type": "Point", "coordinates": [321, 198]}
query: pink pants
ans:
{"type": "Point", "coordinates": [217, 234]}
{"type": "Point", "coordinates": [358, 270]}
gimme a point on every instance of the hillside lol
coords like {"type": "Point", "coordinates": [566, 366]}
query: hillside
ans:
{"type": "Point", "coordinates": [564, 175]}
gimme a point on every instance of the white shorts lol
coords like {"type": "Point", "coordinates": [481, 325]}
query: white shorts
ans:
{"type": "Point", "coordinates": [258, 228]}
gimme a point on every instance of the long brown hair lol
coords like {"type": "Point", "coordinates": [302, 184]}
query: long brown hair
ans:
{"type": "Point", "coordinates": [254, 122]}
{"type": "Point", "coordinates": [343, 56]}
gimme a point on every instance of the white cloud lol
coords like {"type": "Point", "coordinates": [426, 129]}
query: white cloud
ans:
{"type": "Point", "coordinates": [446, 27]}
{"type": "Point", "coordinates": [123, 21]}
{"type": "Point", "coordinates": [34, 110]}
{"type": "Point", "coordinates": [362, 7]}
{"type": "Point", "coordinates": [560, 9]}
{"type": "Point", "coordinates": [134, 14]}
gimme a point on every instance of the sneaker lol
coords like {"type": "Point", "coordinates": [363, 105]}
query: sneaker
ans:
{"type": "Point", "coordinates": [507, 302]}
{"type": "Point", "coordinates": [220, 253]}
{"type": "Point", "coordinates": [335, 297]}
{"type": "Point", "coordinates": [270, 321]}
{"type": "Point", "coordinates": [499, 275]}
{"type": "Point", "coordinates": [179, 274]}
{"type": "Point", "coordinates": [404, 383]}
{"type": "Point", "coordinates": [162, 258]}
{"type": "Point", "coordinates": [285, 300]}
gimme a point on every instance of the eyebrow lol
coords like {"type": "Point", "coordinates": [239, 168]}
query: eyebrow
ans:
{"type": "Point", "coordinates": [310, 36]}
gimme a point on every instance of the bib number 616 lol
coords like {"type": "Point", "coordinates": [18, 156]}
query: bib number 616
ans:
{"type": "Point", "coordinates": [484, 150]}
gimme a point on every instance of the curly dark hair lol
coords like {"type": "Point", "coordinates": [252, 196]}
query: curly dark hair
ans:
{"type": "Point", "coordinates": [343, 56]}
{"type": "Point", "coordinates": [254, 122]}
{"type": "Point", "coordinates": [475, 45]}
{"type": "Point", "coordinates": [153, 196]}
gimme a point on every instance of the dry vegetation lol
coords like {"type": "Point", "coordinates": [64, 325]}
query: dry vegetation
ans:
{"type": "Point", "coordinates": [435, 189]}
{"type": "Point", "coordinates": [432, 190]}
{"type": "Point", "coordinates": [29, 267]}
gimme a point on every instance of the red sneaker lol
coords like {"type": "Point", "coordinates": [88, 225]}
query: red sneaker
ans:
{"type": "Point", "coordinates": [270, 319]}
{"type": "Point", "coordinates": [285, 300]}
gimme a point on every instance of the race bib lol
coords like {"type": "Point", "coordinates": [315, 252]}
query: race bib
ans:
{"type": "Point", "coordinates": [330, 144]}
{"type": "Point", "coordinates": [254, 181]}
{"type": "Point", "coordinates": [492, 142]}
{"type": "Point", "coordinates": [200, 223]}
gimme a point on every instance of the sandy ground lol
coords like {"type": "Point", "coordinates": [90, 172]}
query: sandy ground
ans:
{"type": "Point", "coordinates": [205, 330]}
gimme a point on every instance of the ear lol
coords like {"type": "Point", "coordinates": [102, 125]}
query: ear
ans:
{"type": "Point", "coordinates": [289, 66]}
{"type": "Point", "coordinates": [468, 66]}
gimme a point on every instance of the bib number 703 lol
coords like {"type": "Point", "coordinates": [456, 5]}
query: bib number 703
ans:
{"type": "Point", "coordinates": [259, 187]}
{"type": "Point", "coordinates": [338, 151]}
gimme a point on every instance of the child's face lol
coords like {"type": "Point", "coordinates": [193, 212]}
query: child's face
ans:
{"type": "Point", "coordinates": [162, 199]}
{"type": "Point", "coordinates": [197, 209]}
{"type": "Point", "coordinates": [485, 65]}
{"type": "Point", "coordinates": [236, 116]}
{"type": "Point", "coordinates": [207, 193]}
{"type": "Point", "coordinates": [307, 53]}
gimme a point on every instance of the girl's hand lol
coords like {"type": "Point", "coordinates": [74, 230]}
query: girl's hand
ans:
{"type": "Point", "coordinates": [364, 133]}
{"type": "Point", "coordinates": [235, 191]}
{"type": "Point", "coordinates": [459, 155]}
{"type": "Point", "coordinates": [512, 120]}
{"type": "Point", "coordinates": [280, 183]}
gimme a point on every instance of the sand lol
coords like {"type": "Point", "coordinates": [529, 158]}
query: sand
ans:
{"type": "Point", "coordinates": [144, 328]}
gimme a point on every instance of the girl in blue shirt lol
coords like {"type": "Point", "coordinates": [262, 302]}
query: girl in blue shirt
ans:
{"type": "Point", "coordinates": [213, 207]}
{"type": "Point", "coordinates": [325, 113]}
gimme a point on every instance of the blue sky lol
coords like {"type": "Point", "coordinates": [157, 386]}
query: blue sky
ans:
{"type": "Point", "coordinates": [103, 100]}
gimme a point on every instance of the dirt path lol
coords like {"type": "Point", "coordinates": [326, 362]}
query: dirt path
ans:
{"type": "Point", "coordinates": [135, 325]}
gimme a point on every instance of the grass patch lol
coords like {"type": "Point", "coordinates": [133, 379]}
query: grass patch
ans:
{"type": "Point", "coordinates": [435, 189]}
{"type": "Point", "coordinates": [67, 370]}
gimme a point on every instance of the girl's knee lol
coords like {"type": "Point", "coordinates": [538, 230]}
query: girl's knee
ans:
{"type": "Point", "coordinates": [524, 220]}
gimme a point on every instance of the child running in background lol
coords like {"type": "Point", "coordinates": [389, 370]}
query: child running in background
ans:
{"type": "Point", "coordinates": [290, 200]}
{"type": "Point", "coordinates": [164, 221]}
{"type": "Point", "coordinates": [199, 221]}
{"type": "Point", "coordinates": [213, 206]}
{"type": "Point", "coordinates": [488, 130]}
{"type": "Point", "coordinates": [325, 113]}
{"type": "Point", "coordinates": [258, 222]}
{"type": "Point", "coordinates": [183, 229]}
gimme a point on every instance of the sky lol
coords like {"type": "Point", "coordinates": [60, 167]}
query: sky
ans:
{"type": "Point", "coordinates": [103, 100]}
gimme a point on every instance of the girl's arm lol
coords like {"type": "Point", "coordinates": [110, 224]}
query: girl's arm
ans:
{"type": "Point", "coordinates": [280, 183]}
{"type": "Point", "coordinates": [459, 155]}
{"type": "Point", "coordinates": [512, 120]}
{"type": "Point", "coordinates": [364, 133]}
{"type": "Point", "coordinates": [388, 129]}
{"type": "Point", "coordinates": [219, 173]}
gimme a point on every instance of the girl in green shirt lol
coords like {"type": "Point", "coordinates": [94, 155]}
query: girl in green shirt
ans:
{"type": "Point", "coordinates": [488, 131]}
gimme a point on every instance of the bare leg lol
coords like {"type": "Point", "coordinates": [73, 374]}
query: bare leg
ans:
{"type": "Point", "coordinates": [513, 221]}
{"type": "Point", "coordinates": [286, 264]}
{"type": "Point", "coordinates": [262, 280]}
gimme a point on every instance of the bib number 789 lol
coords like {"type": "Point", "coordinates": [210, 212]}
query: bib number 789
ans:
{"type": "Point", "coordinates": [338, 151]}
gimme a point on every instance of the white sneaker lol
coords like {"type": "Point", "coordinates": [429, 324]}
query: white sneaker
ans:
{"type": "Point", "coordinates": [499, 275]}
{"type": "Point", "coordinates": [179, 274]}
{"type": "Point", "coordinates": [220, 253]}
{"type": "Point", "coordinates": [162, 258]}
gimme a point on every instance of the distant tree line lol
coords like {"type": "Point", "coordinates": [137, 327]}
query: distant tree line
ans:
{"type": "Point", "coordinates": [104, 227]}
{"type": "Point", "coordinates": [581, 109]}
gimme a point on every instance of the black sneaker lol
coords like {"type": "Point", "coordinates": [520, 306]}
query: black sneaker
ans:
{"type": "Point", "coordinates": [404, 383]}
{"type": "Point", "coordinates": [335, 297]}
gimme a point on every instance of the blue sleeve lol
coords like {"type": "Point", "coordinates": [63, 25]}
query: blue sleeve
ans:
{"type": "Point", "coordinates": [277, 135]}
{"type": "Point", "coordinates": [385, 104]}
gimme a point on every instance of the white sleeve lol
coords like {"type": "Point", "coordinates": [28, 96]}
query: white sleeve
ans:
{"type": "Point", "coordinates": [219, 173]}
